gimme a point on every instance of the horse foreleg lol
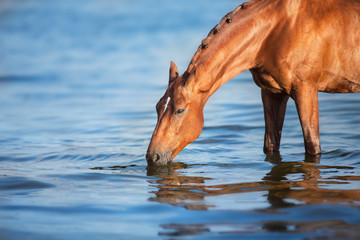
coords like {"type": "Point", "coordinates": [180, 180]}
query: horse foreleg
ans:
{"type": "Point", "coordinates": [274, 113]}
{"type": "Point", "coordinates": [306, 100]}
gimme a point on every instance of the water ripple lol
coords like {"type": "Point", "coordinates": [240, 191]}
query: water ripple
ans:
{"type": "Point", "coordinates": [21, 184]}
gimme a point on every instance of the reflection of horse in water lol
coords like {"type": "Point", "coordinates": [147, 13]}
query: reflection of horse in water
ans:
{"type": "Point", "coordinates": [288, 184]}
{"type": "Point", "coordinates": [292, 48]}
{"type": "Point", "coordinates": [298, 181]}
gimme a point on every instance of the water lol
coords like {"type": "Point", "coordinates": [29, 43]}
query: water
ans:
{"type": "Point", "coordinates": [79, 82]}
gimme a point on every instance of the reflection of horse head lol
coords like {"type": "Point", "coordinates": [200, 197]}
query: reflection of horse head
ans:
{"type": "Point", "coordinates": [287, 184]}
{"type": "Point", "coordinates": [175, 189]}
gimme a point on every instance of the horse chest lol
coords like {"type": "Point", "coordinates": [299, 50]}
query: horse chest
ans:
{"type": "Point", "coordinates": [265, 81]}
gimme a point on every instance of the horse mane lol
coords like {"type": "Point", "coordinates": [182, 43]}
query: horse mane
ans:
{"type": "Point", "coordinates": [212, 36]}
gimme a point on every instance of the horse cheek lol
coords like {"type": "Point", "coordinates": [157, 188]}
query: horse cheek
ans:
{"type": "Point", "coordinates": [196, 127]}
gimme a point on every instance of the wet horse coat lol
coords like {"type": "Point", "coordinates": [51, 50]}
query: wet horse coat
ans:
{"type": "Point", "coordinates": [292, 48]}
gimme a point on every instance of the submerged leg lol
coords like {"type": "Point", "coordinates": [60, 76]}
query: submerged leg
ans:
{"type": "Point", "coordinates": [306, 100]}
{"type": "Point", "coordinates": [274, 113]}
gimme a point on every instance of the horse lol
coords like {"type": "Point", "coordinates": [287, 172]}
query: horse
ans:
{"type": "Point", "coordinates": [293, 49]}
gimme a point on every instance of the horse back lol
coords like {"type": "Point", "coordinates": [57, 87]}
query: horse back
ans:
{"type": "Point", "coordinates": [317, 42]}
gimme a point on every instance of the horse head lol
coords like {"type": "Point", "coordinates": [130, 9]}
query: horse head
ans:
{"type": "Point", "coordinates": [180, 120]}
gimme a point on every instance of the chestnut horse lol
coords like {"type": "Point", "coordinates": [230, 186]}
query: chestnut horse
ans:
{"type": "Point", "coordinates": [292, 48]}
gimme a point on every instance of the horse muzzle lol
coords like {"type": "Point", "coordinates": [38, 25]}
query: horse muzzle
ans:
{"type": "Point", "coordinates": [158, 159]}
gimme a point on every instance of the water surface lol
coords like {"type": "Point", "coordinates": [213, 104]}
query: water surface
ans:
{"type": "Point", "coordinates": [79, 82]}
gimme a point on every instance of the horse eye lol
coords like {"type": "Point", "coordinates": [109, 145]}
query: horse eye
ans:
{"type": "Point", "coordinates": [179, 111]}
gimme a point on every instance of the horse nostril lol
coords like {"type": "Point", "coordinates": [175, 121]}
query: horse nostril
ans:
{"type": "Point", "coordinates": [156, 157]}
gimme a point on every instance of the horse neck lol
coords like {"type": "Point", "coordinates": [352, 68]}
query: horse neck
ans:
{"type": "Point", "coordinates": [232, 46]}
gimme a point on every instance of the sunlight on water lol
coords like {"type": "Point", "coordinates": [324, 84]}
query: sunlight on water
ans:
{"type": "Point", "coordinates": [79, 81]}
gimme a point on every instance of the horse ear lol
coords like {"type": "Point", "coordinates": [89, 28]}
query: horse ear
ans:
{"type": "Point", "coordinates": [173, 73]}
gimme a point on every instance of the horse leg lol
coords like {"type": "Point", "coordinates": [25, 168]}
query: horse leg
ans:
{"type": "Point", "coordinates": [306, 100]}
{"type": "Point", "coordinates": [274, 113]}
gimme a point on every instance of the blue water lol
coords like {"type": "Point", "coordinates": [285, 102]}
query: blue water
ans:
{"type": "Point", "coordinates": [79, 81]}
